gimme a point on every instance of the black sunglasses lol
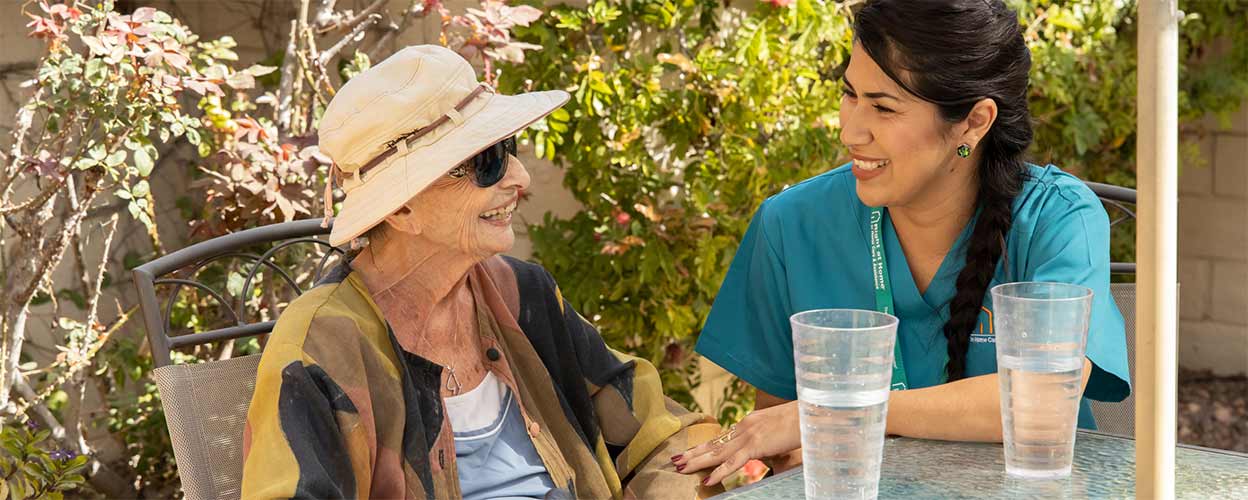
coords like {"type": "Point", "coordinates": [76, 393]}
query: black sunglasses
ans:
{"type": "Point", "coordinates": [488, 167]}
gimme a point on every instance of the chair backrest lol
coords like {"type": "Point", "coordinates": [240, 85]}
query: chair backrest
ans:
{"type": "Point", "coordinates": [1119, 418]}
{"type": "Point", "coordinates": [206, 403]}
{"type": "Point", "coordinates": [205, 410]}
{"type": "Point", "coordinates": [1119, 202]}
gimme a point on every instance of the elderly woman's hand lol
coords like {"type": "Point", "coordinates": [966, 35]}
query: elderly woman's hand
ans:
{"type": "Point", "coordinates": [761, 434]}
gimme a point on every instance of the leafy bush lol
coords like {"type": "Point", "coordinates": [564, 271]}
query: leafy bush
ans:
{"type": "Point", "coordinates": [28, 469]}
{"type": "Point", "coordinates": [687, 114]}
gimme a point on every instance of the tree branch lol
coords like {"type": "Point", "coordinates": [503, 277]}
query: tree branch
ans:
{"type": "Point", "coordinates": [286, 90]}
{"type": "Point", "coordinates": [42, 414]}
{"type": "Point", "coordinates": [364, 14]}
{"type": "Point", "coordinates": [93, 307]}
{"type": "Point", "coordinates": [20, 285]}
{"type": "Point", "coordinates": [311, 61]}
{"type": "Point", "coordinates": [416, 9]}
{"type": "Point", "coordinates": [75, 367]}
{"type": "Point", "coordinates": [74, 385]}
{"type": "Point", "coordinates": [53, 256]}
{"type": "Point", "coordinates": [38, 200]}
{"type": "Point", "coordinates": [333, 51]}
{"type": "Point", "coordinates": [80, 261]}
{"type": "Point", "coordinates": [22, 123]}
{"type": "Point", "coordinates": [323, 19]}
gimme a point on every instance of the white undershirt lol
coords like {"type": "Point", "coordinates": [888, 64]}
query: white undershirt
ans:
{"type": "Point", "coordinates": [478, 408]}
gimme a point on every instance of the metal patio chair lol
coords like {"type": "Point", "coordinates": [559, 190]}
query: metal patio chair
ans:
{"type": "Point", "coordinates": [206, 403]}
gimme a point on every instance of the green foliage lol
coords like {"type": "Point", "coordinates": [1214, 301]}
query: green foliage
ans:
{"type": "Point", "coordinates": [28, 469]}
{"type": "Point", "coordinates": [110, 84]}
{"type": "Point", "coordinates": [684, 117]}
{"type": "Point", "coordinates": [1214, 81]}
{"type": "Point", "coordinates": [688, 113]}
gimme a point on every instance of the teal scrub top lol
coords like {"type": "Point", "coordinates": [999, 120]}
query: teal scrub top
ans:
{"type": "Point", "coordinates": [807, 248]}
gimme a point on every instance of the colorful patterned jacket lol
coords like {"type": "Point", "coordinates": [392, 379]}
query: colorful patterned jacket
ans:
{"type": "Point", "coordinates": [343, 410]}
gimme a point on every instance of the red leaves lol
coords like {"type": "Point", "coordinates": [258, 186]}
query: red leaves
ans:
{"type": "Point", "coordinates": [138, 36]}
{"type": "Point", "coordinates": [203, 86]}
{"type": "Point", "coordinates": [251, 129]}
{"type": "Point", "coordinates": [490, 30]}
{"type": "Point", "coordinates": [167, 52]}
{"type": "Point", "coordinates": [255, 180]}
{"type": "Point", "coordinates": [45, 28]}
{"type": "Point", "coordinates": [51, 28]}
{"type": "Point", "coordinates": [65, 12]}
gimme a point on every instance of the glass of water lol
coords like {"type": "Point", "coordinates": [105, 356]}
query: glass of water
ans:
{"type": "Point", "coordinates": [844, 362]}
{"type": "Point", "coordinates": [1042, 332]}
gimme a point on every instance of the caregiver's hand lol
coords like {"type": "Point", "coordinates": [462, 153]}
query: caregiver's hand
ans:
{"type": "Point", "coordinates": [762, 433]}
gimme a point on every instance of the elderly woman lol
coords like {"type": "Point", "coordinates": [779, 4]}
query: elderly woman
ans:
{"type": "Point", "coordinates": [429, 366]}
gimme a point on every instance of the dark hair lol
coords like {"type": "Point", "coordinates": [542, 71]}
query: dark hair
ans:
{"type": "Point", "coordinates": [954, 53]}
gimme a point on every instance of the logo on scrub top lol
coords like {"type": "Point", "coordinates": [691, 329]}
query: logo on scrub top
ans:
{"type": "Point", "coordinates": [983, 332]}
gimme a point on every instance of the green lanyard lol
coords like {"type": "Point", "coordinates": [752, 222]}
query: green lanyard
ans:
{"type": "Point", "coordinates": [883, 292]}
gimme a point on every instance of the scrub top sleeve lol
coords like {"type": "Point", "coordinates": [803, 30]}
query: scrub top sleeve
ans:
{"type": "Point", "coordinates": [747, 331]}
{"type": "Point", "coordinates": [1072, 246]}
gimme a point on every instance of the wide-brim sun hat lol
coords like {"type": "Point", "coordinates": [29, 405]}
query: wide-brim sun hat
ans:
{"type": "Point", "coordinates": [395, 128]}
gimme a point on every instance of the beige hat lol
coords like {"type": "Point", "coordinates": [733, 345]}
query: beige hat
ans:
{"type": "Point", "coordinates": [394, 129]}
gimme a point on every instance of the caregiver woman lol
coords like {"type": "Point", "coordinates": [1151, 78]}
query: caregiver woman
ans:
{"type": "Point", "coordinates": [935, 116]}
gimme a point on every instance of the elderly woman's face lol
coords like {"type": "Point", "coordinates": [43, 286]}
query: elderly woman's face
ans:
{"type": "Point", "coordinates": [457, 214]}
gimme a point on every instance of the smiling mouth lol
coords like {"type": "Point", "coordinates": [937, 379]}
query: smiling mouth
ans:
{"type": "Point", "coordinates": [869, 165]}
{"type": "Point", "coordinates": [502, 213]}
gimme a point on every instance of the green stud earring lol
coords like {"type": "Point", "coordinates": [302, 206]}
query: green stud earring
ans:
{"type": "Point", "coordinates": [964, 150]}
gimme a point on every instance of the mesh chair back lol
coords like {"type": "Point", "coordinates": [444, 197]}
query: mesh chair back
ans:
{"type": "Point", "coordinates": [1119, 418]}
{"type": "Point", "coordinates": [205, 410]}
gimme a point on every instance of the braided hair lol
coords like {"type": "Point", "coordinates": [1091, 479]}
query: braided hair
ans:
{"type": "Point", "coordinates": [955, 53]}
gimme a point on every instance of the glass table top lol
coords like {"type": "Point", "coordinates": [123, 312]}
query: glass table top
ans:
{"type": "Point", "coordinates": [1104, 468]}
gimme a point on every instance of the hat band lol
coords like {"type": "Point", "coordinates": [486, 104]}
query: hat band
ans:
{"type": "Point", "coordinates": [405, 140]}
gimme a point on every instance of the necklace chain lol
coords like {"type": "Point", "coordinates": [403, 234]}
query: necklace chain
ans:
{"type": "Point", "coordinates": [452, 384]}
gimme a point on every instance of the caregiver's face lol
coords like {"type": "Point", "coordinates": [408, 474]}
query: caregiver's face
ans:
{"type": "Point", "coordinates": [458, 215]}
{"type": "Point", "coordinates": [899, 143]}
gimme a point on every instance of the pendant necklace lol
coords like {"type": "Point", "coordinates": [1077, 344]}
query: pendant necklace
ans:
{"type": "Point", "coordinates": [452, 381]}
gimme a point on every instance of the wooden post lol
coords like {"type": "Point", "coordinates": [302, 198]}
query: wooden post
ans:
{"type": "Point", "coordinates": [1157, 248]}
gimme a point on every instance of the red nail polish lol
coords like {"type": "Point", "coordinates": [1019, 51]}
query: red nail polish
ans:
{"type": "Point", "coordinates": [676, 457]}
{"type": "Point", "coordinates": [680, 468]}
{"type": "Point", "coordinates": [706, 482]}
